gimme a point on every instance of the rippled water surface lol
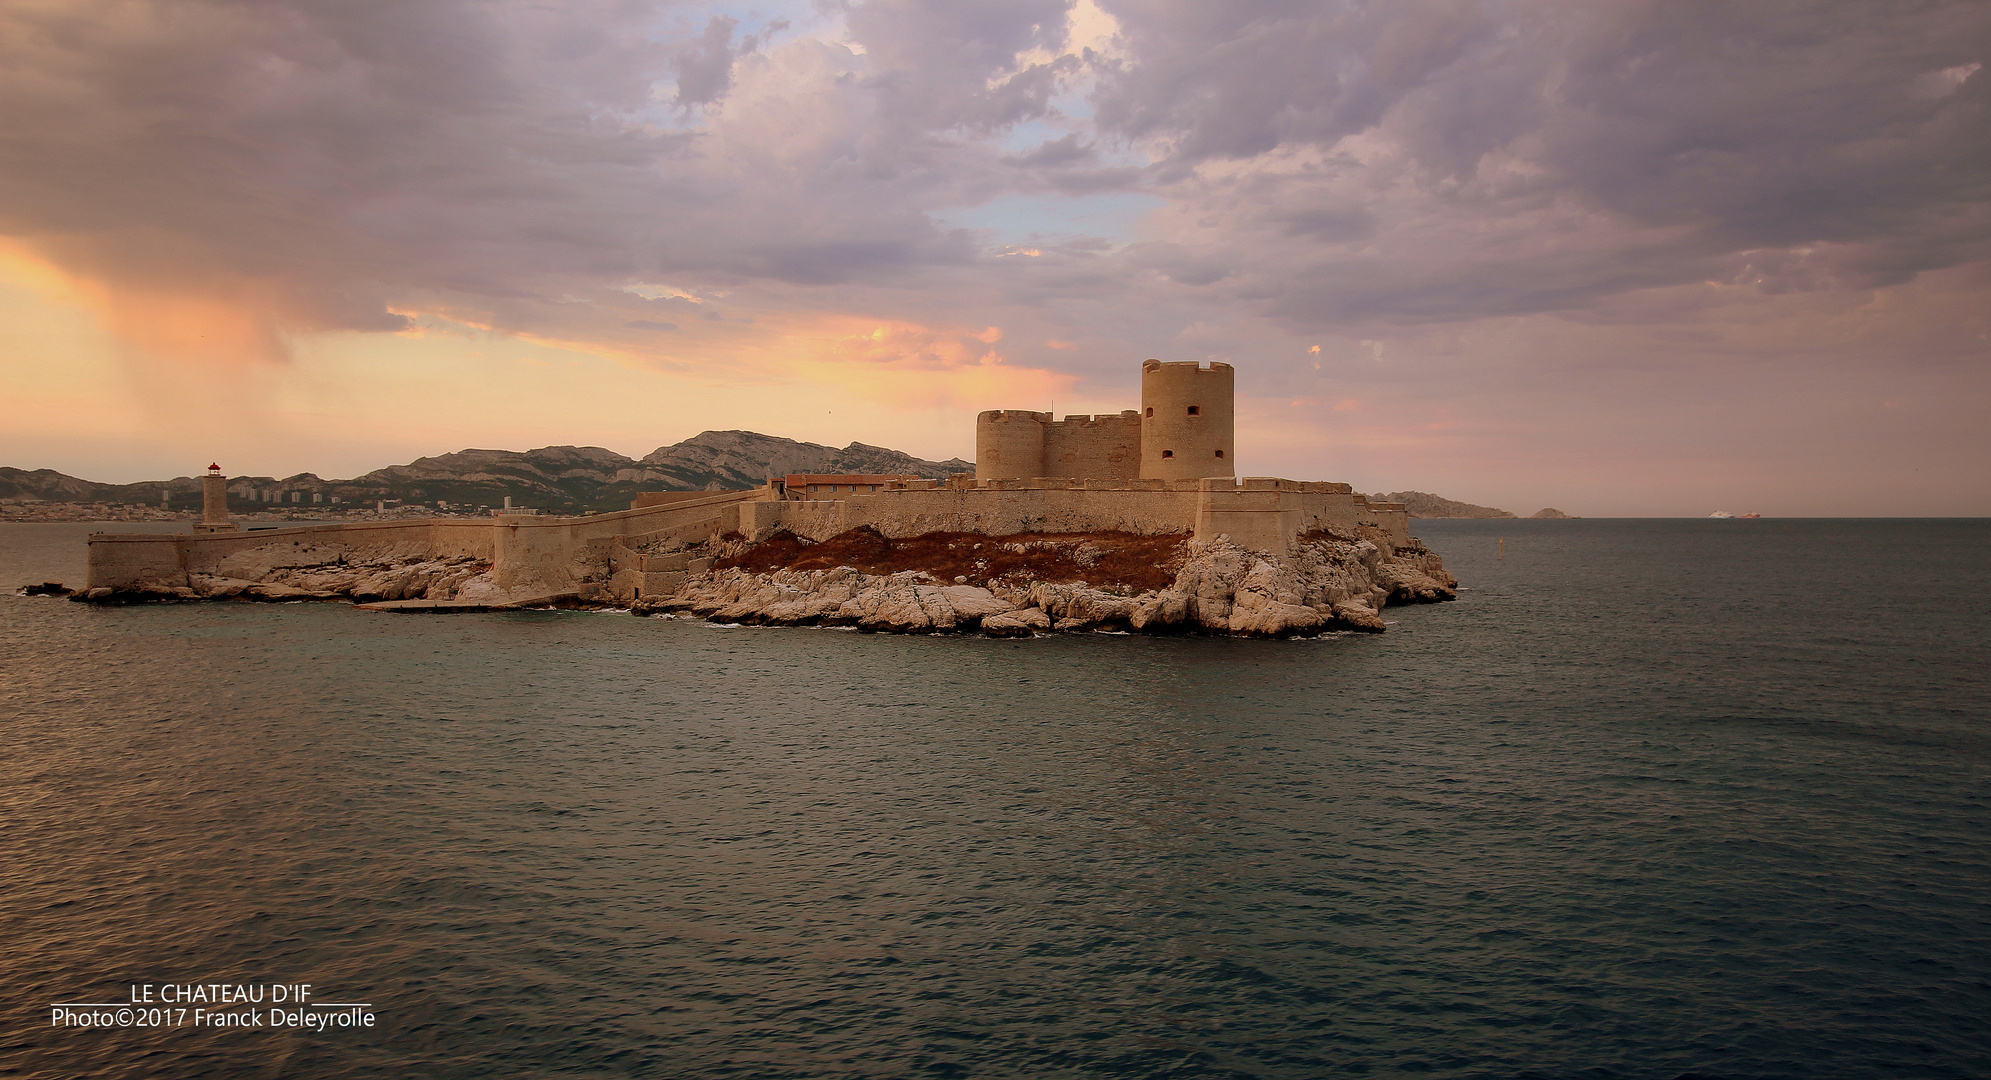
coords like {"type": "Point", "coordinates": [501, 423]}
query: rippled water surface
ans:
{"type": "Point", "coordinates": [1653, 798]}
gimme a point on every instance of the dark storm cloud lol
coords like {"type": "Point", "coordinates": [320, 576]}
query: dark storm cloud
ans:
{"type": "Point", "coordinates": [1241, 79]}
{"type": "Point", "coordinates": [1323, 163]}
{"type": "Point", "coordinates": [504, 157]}
{"type": "Point", "coordinates": [1521, 157]}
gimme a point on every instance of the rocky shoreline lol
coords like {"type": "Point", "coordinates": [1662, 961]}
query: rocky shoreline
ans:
{"type": "Point", "coordinates": [1006, 587]}
{"type": "Point", "coordinates": [1326, 584]}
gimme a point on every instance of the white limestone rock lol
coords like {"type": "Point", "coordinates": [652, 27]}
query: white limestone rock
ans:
{"type": "Point", "coordinates": [1020, 622]}
{"type": "Point", "coordinates": [1357, 616]}
{"type": "Point", "coordinates": [1416, 576]}
{"type": "Point", "coordinates": [1076, 607]}
{"type": "Point", "coordinates": [1159, 613]}
{"type": "Point", "coordinates": [973, 604]}
{"type": "Point", "coordinates": [219, 588]}
{"type": "Point", "coordinates": [907, 609]}
{"type": "Point", "coordinates": [1324, 584]}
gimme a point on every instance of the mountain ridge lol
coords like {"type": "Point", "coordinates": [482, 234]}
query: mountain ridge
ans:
{"type": "Point", "coordinates": [1423, 504]}
{"type": "Point", "coordinates": [557, 478]}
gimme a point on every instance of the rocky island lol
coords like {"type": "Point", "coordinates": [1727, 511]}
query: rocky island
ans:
{"type": "Point", "coordinates": [1007, 586]}
{"type": "Point", "coordinates": [1019, 585]}
{"type": "Point", "coordinates": [1125, 522]}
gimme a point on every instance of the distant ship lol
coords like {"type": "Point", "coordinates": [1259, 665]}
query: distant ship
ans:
{"type": "Point", "coordinates": [1721, 514]}
{"type": "Point", "coordinates": [1752, 515]}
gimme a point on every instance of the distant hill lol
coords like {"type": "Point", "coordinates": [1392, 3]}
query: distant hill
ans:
{"type": "Point", "coordinates": [741, 459]}
{"type": "Point", "coordinates": [1548, 513]}
{"type": "Point", "coordinates": [1423, 504]}
{"type": "Point", "coordinates": [555, 478]}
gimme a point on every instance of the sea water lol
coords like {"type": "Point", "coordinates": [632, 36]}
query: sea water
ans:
{"type": "Point", "coordinates": [1653, 798]}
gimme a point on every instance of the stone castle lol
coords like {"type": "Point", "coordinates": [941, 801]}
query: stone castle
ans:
{"type": "Point", "coordinates": [1166, 468]}
{"type": "Point", "coordinates": [1186, 429]}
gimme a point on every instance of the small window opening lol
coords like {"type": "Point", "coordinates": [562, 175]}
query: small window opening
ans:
{"type": "Point", "coordinates": [1195, 410]}
{"type": "Point", "coordinates": [639, 592]}
{"type": "Point", "coordinates": [1168, 453]}
{"type": "Point", "coordinates": [1151, 410]}
{"type": "Point", "coordinates": [1220, 453]}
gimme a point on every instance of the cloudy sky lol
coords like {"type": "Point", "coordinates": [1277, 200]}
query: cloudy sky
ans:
{"type": "Point", "coordinates": [1623, 258]}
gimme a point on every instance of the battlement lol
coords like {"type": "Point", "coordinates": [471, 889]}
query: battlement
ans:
{"type": "Point", "coordinates": [1019, 444]}
{"type": "Point", "coordinates": [1195, 365]}
{"type": "Point", "coordinates": [1012, 416]}
{"type": "Point", "coordinates": [1080, 420]}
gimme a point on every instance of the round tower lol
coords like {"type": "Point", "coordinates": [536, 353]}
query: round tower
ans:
{"type": "Point", "coordinates": [1009, 444]}
{"type": "Point", "coordinates": [214, 501]}
{"type": "Point", "coordinates": [1188, 422]}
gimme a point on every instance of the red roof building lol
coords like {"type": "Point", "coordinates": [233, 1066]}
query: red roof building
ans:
{"type": "Point", "coordinates": [805, 486]}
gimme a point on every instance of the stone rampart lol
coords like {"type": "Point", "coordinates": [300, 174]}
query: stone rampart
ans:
{"type": "Point", "coordinates": [557, 553]}
{"type": "Point", "coordinates": [125, 560]}
{"type": "Point", "coordinates": [1103, 447]}
{"type": "Point", "coordinates": [1258, 512]}
{"type": "Point", "coordinates": [1073, 508]}
{"type": "Point", "coordinates": [1015, 444]}
{"type": "Point", "coordinates": [563, 555]}
{"type": "Point", "coordinates": [646, 499]}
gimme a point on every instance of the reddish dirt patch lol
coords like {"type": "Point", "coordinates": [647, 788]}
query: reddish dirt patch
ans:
{"type": "Point", "coordinates": [1102, 559]}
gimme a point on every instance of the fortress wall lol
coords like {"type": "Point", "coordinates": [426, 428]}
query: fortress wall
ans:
{"type": "Point", "coordinates": [1335, 512]}
{"type": "Point", "coordinates": [1038, 509]}
{"type": "Point", "coordinates": [129, 560]}
{"type": "Point", "coordinates": [560, 553]}
{"type": "Point", "coordinates": [995, 511]}
{"type": "Point", "coordinates": [1259, 512]}
{"type": "Point", "coordinates": [557, 552]}
{"type": "Point", "coordinates": [1009, 444]}
{"type": "Point", "coordinates": [1341, 511]}
{"type": "Point", "coordinates": [634, 575]}
{"type": "Point", "coordinates": [473, 538]}
{"type": "Point", "coordinates": [1267, 513]}
{"type": "Point", "coordinates": [691, 532]}
{"type": "Point", "coordinates": [1254, 514]}
{"type": "Point", "coordinates": [1103, 447]}
{"type": "Point", "coordinates": [554, 557]}
{"type": "Point", "coordinates": [647, 499]}
{"type": "Point", "coordinates": [1393, 519]}
{"type": "Point", "coordinates": [815, 519]}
